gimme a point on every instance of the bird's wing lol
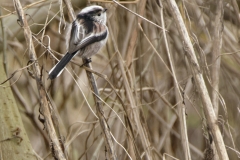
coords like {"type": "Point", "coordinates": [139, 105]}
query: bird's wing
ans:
{"type": "Point", "coordinates": [92, 38]}
{"type": "Point", "coordinates": [76, 36]}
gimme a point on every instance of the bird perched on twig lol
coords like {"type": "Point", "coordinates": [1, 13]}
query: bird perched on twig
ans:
{"type": "Point", "coordinates": [88, 35]}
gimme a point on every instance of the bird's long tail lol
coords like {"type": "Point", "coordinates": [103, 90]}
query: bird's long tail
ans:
{"type": "Point", "coordinates": [58, 68]}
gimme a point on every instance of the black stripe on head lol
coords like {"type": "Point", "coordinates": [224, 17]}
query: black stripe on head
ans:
{"type": "Point", "coordinates": [95, 11]}
{"type": "Point", "coordinates": [84, 17]}
{"type": "Point", "coordinates": [88, 15]}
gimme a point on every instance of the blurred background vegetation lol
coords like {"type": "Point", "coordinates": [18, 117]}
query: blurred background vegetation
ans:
{"type": "Point", "coordinates": [144, 56]}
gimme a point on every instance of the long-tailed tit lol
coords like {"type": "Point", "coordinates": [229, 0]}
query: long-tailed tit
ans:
{"type": "Point", "coordinates": [88, 35]}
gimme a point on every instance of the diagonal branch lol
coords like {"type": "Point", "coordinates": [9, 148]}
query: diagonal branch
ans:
{"type": "Point", "coordinates": [198, 78]}
{"type": "Point", "coordinates": [44, 105]}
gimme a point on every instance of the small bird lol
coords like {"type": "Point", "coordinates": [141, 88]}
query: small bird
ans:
{"type": "Point", "coordinates": [88, 35]}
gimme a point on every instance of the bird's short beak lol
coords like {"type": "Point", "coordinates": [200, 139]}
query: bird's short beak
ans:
{"type": "Point", "coordinates": [105, 9]}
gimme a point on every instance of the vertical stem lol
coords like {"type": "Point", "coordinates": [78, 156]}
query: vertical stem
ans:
{"type": "Point", "coordinates": [198, 78]}
{"type": "Point", "coordinates": [216, 31]}
{"type": "Point", "coordinates": [181, 106]}
{"type": "Point", "coordinates": [216, 51]}
{"type": "Point", "coordinates": [100, 114]}
{"type": "Point", "coordinates": [133, 39]}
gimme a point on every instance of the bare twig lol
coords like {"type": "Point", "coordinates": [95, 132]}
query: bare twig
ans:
{"type": "Point", "coordinates": [137, 15]}
{"type": "Point", "coordinates": [45, 108]}
{"type": "Point", "coordinates": [26, 7]}
{"type": "Point", "coordinates": [134, 35]}
{"type": "Point", "coordinates": [217, 31]}
{"type": "Point", "coordinates": [216, 51]}
{"type": "Point", "coordinates": [135, 111]}
{"type": "Point", "coordinates": [71, 14]}
{"type": "Point", "coordinates": [100, 114]}
{"type": "Point", "coordinates": [179, 97]}
{"type": "Point", "coordinates": [198, 77]}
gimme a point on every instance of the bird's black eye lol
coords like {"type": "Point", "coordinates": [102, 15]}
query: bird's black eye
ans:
{"type": "Point", "coordinates": [99, 14]}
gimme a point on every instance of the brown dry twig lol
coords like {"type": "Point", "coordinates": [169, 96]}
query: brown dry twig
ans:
{"type": "Point", "coordinates": [198, 77]}
{"type": "Point", "coordinates": [44, 107]}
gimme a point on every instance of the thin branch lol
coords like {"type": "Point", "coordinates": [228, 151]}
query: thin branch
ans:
{"type": "Point", "coordinates": [217, 31]}
{"type": "Point", "coordinates": [26, 7]}
{"type": "Point", "coordinates": [100, 114]}
{"type": "Point", "coordinates": [179, 97]}
{"type": "Point", "coordinates": [137, 14]}
{"type": "Point", "coordinates": [133, 107]}
{"type": "Point", "coordinates": [198, 78]}
{"type": "Point", "coordinates": [54, 143]}
{"type": "Point", "coordinates": [216, 52]}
